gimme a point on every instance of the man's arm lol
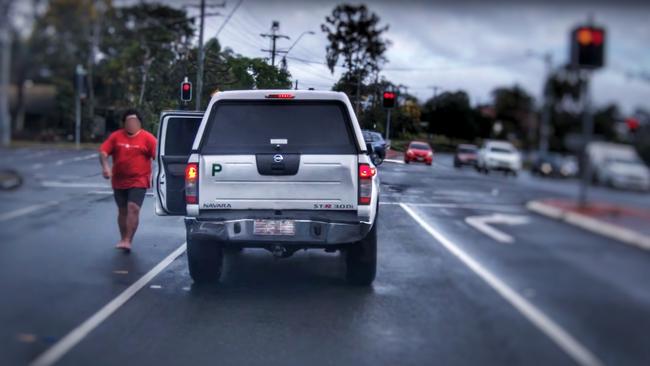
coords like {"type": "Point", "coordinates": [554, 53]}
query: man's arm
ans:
{"type": "Point", "coordinates": [106, 168]}
{"type": "Point", "coordinates": [105, 150]}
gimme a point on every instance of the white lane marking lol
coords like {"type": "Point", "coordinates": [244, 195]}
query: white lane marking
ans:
{"type": "Point", "coordinates": [557, 334]}
{"type": "Point", "coordinates": [65, 344]}
{"type": "Point", "coordinates": [482, 224]}
{"type": "Point", "coordinates": [474, 206]}
{"type": "Point", "coordinates": [66, 161]}
{"type": "Point", "coordinates": [100, 192]}
{"type": "Point", "coordinates": [394, 161]}
{"type": "Point", "coordinates": [600, 227]}
{"type": "Point", "coordinates": [26, 210]}
{"type": "Point", "coordinates": [55, 184]}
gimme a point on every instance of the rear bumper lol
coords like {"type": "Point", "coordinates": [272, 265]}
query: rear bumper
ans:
{"type": "Point", "coordinates": [311, 233]}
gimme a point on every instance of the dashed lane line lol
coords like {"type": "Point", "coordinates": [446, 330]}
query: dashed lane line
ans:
{"type": "Point", "coordinates": [26, 210]}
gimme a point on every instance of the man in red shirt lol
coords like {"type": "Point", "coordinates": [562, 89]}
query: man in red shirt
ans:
{"type": "Point", "coordinates": [132, 149]}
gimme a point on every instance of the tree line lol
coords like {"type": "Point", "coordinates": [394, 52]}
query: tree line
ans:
{"type": "Point", "coordinates": [137, 55]}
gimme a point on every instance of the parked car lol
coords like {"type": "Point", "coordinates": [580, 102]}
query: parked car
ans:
{"type": "Point", "coordinates": [466, 154]}
{"type": "Point", "coordinates": [554, 165]}
{"type": "Point", "coordinates": [617, 166]}
{"type": "Point", "coordinates": [279, 170]}
{"type": "Point", "coordinates": [418, 151]}
{"type": "Point", "coordinates": [379, 146]}
{"type": "Point", "coordinates": [498, 155]}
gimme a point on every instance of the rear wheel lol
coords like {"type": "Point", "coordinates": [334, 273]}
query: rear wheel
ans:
{"type": "Point", "coordinates": [361, 260]}
{"type": "Point", "coordinates": [204, 260]}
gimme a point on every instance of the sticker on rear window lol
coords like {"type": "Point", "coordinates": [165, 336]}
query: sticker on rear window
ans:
{"type": "Point", "coordinates": [279, 141]}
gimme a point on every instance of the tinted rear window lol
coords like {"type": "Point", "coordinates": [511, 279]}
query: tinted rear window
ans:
{"type": "Point", "coordinates": [503, 150]}
{"type": "Point", "coordinates": [418, 146]}
{"type": "Point", "coordinates": [467, 150]}
{"type": "Point", "coordinates": [308, 127]}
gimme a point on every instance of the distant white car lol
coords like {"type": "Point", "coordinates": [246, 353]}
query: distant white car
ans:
{"type": "Point", "coordinates": [624, 174]}
{"type": "Point", "coordinates": [498, 155]}
{"type": "Point", "coordinates": [618, 166]}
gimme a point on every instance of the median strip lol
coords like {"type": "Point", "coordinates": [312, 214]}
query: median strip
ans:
{"type": "Point", "coordinates": [591, 218]}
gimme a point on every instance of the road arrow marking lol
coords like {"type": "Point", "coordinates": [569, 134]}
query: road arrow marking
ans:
{"type": "Point", "coordinates": [482, 224]}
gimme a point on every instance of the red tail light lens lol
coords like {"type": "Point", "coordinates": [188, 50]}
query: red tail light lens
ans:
{"type": "Point", "coordinates": [192, 183]}
{"type": "Point", "coordinates": [366, 172]}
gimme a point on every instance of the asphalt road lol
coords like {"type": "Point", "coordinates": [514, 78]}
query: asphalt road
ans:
{"type": "Point", "coordinates": [446, 293]}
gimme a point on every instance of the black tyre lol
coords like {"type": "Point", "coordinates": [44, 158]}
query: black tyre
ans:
{"type": "Point", "coordinates": [204, 260]}
{"type": "Point", "coordinates": [361, 260]}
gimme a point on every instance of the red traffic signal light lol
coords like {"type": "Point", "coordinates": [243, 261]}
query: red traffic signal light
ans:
{"type": "Point", "coordinates": [389, 99]}
{"type": "Point", "coordinates": [588, 47]}
{"type": "Point", "coordinates": [632, 124]}
{"type": "Point", "coordinates": [186, 91]}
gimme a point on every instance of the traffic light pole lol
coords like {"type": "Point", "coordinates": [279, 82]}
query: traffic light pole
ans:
{"type": "Point", "coordinates": [587, 132]}
{"type": "Point", "coordinates": [388, 124]}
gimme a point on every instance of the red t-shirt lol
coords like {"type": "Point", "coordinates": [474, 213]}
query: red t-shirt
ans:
{"type": "Point", "coordinates": [132, 157]}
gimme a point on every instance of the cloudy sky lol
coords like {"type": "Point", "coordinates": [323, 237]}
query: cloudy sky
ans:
{"type": "Point", "coordinates": [459, 45]}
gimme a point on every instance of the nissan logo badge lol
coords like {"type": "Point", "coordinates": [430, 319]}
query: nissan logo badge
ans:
{"type": "Point", "coordinates": [278, 158]}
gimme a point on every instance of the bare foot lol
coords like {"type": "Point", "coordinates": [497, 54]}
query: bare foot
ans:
{"type": "Point", "coordinates": [124, 245]}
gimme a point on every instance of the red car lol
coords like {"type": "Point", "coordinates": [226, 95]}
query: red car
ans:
{"type": "Point", "coordinates": [419, 151]}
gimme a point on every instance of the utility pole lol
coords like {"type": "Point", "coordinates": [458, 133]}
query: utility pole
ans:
{"type": "Point", "coordinates": [199, 69]}
{"type": "Point", "coordinates": [80, 93]}
{"type": "Point", "coordinates": [5, 64]}
{"type": "Point", "coordinates": [296, 88]}
{"type": "Point", "coordinates": [435, 89]}
{"type": "Point", "coordinates": [201, 52]}
{"type": "Point", "coordinates": [275, 27]}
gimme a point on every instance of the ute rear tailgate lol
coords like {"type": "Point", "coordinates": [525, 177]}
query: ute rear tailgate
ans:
{"type": "Point", "coordinates": [280, 155]}
{"type": "Point", "coordinates": [321, 182]}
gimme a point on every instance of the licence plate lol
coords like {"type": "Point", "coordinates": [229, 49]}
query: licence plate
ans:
{"type": "Point", "coordinates": [274, 227]}
{"type": "Point", "coordinates": [420, 158]}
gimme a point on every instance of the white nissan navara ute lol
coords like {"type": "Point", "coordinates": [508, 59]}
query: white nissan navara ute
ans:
{"type": "Point", "coordinates": [279, 170]}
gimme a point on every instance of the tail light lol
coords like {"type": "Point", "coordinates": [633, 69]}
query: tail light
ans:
{"type": "Point", "coordinates": [192, 183]}
{"type": "Point", "coordinates": [366, 172]}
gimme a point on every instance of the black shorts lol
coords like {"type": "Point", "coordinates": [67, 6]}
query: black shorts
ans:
{"type": "Point", "coordinates": [124, 196]}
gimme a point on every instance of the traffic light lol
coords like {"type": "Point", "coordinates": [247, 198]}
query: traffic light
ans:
{"type": "Point", "coordinates": [186, 91]}
{"type": "Point", "coordinates": [588, 47]}
{"type": "Point", "coordinates": [389, 99]}
{"type": "Point", "coordinates": [632, 124]}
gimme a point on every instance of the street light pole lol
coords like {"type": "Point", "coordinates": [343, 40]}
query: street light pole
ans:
{"type": "Point", "coordinates": [298, 39]}
{"type": "Point", "coordinates": [544, 126]}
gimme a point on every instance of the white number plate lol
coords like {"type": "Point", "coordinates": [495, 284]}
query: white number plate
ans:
{"type": "Point", "coordinates": [274, 227]}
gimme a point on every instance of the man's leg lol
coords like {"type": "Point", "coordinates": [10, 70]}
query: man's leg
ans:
{"type": "Point", "coordinates": [121, 221]}
{"type": "Point", "coordinates": [121, 199]}
{"type": "Point", "coordinates": [132, 221]}
{"type": "Point", "coordinates": [135, 199]}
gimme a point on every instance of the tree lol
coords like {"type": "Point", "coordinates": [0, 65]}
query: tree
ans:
{"type": "Point", "coordinates": [355, 36]}
{"type": "Point", "coordinates": [142, 47]}
{"type": "Point", "coordinates": [451, 115]}
{"type": "Point", "coordinates": [514, 108]}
